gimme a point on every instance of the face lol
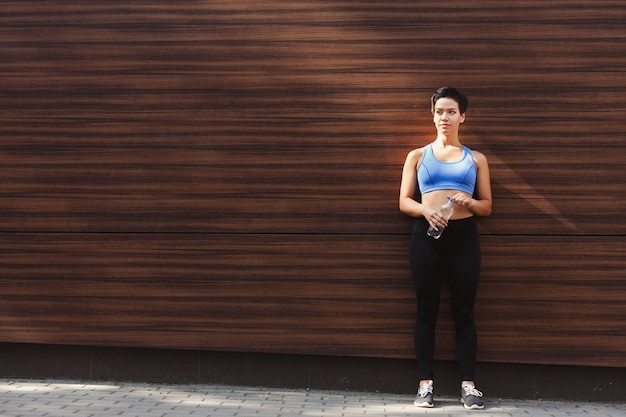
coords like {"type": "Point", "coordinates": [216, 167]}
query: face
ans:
{"type": "Point", "coordinates": [446, 116]}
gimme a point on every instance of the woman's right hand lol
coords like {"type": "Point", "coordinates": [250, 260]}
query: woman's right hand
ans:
{"type": "Point", "coordinates": [434, 218]}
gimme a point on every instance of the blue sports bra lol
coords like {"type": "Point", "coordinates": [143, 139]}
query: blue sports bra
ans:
{"type": "Point", "coordinates": [433, 174]}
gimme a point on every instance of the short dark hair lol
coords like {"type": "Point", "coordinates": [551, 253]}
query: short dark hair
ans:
{"type": "Point", "coordinates": [452, 93]}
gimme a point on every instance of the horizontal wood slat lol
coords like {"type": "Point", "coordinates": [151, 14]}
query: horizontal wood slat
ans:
{"type": "Point", "coordinates": [224, 175]}
{"type": "Point", "coordinates": [553, 297]}
{"type": "Point", "coordinates": [121, 116]}
{"type": "Point", "coordinates": [247, 292]}
{"type": "Point", "coordinates": [329, 294]}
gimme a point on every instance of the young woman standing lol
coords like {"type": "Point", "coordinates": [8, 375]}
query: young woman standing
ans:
{"type": "Point", "coordinates": [437, 172]}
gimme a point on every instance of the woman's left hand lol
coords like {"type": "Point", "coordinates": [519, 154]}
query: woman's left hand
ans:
{"type": "Point", "coordinates": [463, 200]}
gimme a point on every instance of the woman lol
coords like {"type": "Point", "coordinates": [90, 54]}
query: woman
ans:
{"type": "Point", "coordinates": [441, 170]}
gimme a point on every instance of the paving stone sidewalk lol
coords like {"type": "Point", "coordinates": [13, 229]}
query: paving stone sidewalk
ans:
{"type": "Point", "coordinates": [45, 398]}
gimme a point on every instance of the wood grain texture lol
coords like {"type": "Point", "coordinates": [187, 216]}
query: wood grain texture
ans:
{"type": "Point", "coordinates": [327, 294]}
{"type": "Point", "coordinates": [224, 175]}
{"type": "Point", "coordinates": [251, 292]}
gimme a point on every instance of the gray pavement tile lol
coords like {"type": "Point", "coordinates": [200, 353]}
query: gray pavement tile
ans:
{"type": "Point", "coordinates": [65, 399]}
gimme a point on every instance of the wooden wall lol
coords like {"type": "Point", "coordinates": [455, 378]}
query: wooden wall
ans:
{"type": "Point", "coordinates": [224, 174]}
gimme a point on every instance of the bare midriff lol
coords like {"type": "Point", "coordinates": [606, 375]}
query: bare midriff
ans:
{"type": "Point", "coordinates": [436, 198]}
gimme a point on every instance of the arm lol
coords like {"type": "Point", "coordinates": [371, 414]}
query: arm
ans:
{"type": "Point", "coordinates": [407, 202]}
{"type": "Point", "coordinates": [480, 206]}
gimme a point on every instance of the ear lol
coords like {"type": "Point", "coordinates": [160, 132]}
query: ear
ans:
{"type": "Point", "coordinates": [462, 117]}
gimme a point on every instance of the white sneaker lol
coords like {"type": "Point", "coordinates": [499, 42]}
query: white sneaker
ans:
{"type": "Point", "coordinates": [470, 397]}
{"type": "Point", "coordinates": [424, 397]}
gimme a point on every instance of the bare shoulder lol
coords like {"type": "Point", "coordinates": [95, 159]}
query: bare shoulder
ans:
{"type": "Point", "coordinates": [479, 158]}
{"type": "Point", "coordinates": [414, 156]}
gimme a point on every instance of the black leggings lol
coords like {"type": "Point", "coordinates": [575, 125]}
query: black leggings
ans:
{"type": "Point", "coordinates": [456, 255]}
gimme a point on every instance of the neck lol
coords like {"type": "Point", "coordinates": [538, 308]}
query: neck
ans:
{"type": "Point", "coordinates": [449, 140]}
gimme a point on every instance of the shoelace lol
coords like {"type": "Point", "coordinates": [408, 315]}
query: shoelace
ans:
{"type": "Point", "coordinates": [425, 389]}
{"type": "Point", "coordinates": [470, 390]}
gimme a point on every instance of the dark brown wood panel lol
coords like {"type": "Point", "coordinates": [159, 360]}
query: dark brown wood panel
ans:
{"type": "Point", "coordinates": [283, 293]}
{"type": "Point", "coordinates": [553, 300]}
{"type": "Point", "coordinates": [338, 295]}
{"type": "Point", "coordinates": [124, 116]}
{"type": "Point", "coordinates": [224, 175]}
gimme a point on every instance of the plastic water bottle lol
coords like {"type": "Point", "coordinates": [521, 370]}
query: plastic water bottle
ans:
{"type": "Point", "coordinates": [446, 210]}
